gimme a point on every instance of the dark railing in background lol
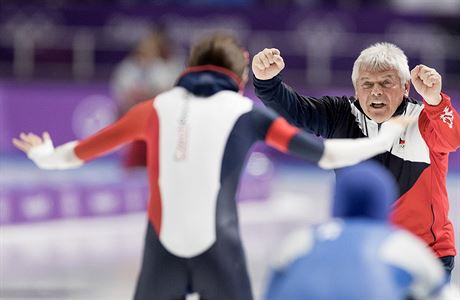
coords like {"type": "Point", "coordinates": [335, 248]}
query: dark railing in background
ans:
{"type": "Point", "coordinates": [84, 43]}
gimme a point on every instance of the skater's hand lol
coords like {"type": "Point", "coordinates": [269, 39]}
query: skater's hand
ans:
{"type": "Point", "coordinates": [267, 64]}
{"type": "Point", "coordinates": [29, 141]}
{"type": "Point", "coordinates": [42, 152]}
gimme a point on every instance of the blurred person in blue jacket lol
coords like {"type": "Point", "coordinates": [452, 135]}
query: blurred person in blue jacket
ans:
{"type": "Point", "coordinates": [359, 254]}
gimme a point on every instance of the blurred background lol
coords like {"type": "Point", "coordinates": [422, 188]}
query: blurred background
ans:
{"type": "Point", "coordinates": [72, 67]}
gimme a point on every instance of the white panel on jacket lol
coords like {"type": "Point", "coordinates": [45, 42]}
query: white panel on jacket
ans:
{"type": "Point", "coordinates": [189, 187]}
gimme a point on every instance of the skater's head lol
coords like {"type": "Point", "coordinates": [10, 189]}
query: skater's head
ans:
{"type": "Point", "coordinates": [366, 190]}
{"type": "Point", "coordinates": [221, 50]}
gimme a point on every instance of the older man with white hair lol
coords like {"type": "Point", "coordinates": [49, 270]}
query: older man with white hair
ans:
{"type": "Point", "coordinates": [418, 159]}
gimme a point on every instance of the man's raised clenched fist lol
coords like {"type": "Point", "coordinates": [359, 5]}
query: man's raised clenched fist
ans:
{"type": "Point", "coordinates": [267, 64]}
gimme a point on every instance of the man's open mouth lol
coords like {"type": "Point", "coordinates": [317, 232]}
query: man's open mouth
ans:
{"type": "Point", "coordinates": [377, 104]}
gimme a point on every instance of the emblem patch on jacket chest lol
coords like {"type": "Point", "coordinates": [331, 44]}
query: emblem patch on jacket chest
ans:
{"type": "Point", "coordinates": [448, 117]}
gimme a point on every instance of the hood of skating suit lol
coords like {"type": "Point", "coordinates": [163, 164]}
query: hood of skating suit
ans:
{"type": "Point", "coordinates": [366, 191]}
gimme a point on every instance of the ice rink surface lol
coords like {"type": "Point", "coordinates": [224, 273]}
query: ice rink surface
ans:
{"type": "Point", "coordinates": [98, 258]}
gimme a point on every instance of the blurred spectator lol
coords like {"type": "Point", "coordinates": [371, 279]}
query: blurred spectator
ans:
{"type": "Point", "coordinates": [359, 255]}
{"type": "Point", "coordinates": [149, 69]}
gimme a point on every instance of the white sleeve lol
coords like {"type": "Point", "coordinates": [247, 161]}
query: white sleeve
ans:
{"type": "Point", "coordinates": [448, 292]}
{"type": "Point", "coordinates": [340, 153]}
{"type": "Point", "coordinates": [408, 253]}
{"type": "Point", "coordinates": [46, 157]}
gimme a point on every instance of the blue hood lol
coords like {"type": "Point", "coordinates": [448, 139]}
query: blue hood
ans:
{"type": "Point", "coordinates": [366, 190]}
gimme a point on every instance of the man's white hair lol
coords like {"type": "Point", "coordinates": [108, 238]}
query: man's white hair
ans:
{"type": "Point", "coordinates": [381, 57]}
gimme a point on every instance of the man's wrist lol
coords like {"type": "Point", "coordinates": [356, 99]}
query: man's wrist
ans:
{"type": "Point", "coordinates": [434, 102]}
{"type": "Point", "coordinates": [277, 76]}
{"type": "Point", "coordinates": [445, 100]}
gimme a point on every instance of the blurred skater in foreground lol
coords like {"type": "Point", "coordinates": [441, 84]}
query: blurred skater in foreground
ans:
{"type": "Point", "coordinates": [358, 255]}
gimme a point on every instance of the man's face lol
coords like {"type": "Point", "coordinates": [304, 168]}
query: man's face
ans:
{"type": "Point", "coordinates": [380, 93]}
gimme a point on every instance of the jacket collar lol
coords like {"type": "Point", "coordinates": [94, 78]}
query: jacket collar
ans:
{"type": "Point", "coordinates": [209, 79]}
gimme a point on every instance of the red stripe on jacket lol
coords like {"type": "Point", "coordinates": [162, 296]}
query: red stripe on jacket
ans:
{"type": "Point", "coordinates": [139, 123]}
{"type": "Point", "coordinates": [280, 133]}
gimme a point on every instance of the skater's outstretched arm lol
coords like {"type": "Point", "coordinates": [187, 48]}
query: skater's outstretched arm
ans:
{"type": "Point", "coordinates": [40, 149]}
{"type": "Point", "coordinates": [329, 153]}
